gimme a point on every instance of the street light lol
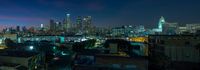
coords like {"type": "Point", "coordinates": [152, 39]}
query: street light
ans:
{"type": "Point", "coordinates": [31, 47]}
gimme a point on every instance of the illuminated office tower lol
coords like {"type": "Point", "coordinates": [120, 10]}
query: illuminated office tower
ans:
{"type": "Point", "coordinates": [79, 23]}
{"type": "Point", "coordinates": [67, 23]}
{"type": "Point", "coordinates": [58, 26]}
{"type": "Point", "coordinates": [41, 25]}
{"type": "Point", "coordinates": [87, 24]}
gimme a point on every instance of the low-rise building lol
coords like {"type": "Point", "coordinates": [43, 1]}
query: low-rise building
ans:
{"type": "Point", "coordinates": [30, 60]}
{"type": "Point", "coordinates": [175, 49]}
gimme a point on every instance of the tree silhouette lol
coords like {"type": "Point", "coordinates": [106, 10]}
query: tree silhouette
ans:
{"type": "Point", "coordinates": [10, 44]}
{"type": "Point", "coordinates": [198, 47]}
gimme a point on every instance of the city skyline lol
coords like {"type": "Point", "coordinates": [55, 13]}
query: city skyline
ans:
{"type": "Point", "coordinates": [104, 12]}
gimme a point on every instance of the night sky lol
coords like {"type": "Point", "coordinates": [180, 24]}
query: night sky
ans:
{"type": "Point", "coordinates": [103, 12]}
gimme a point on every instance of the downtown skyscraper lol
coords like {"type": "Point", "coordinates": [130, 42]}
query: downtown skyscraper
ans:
{"type": "Point", "coordinates": [87, 24]}
{"type": "Point", "coordinates": [79, 26]}
{"type": "Point", "coordinates": [67, 23]}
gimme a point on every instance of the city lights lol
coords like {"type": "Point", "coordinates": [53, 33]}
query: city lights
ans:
{"type": "Point", "coordinates": [99, 35]}
{"type": "Point", "coordinates": [83, 39]}
{"type": "Point", "coordinates": [139, 39]}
